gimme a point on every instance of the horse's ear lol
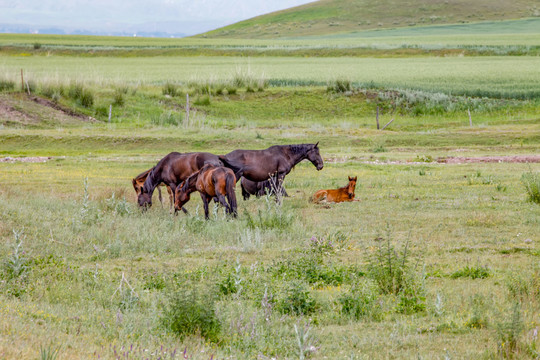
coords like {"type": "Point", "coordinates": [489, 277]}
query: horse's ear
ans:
{"type": "Point", "coordinates": [354, 178]}
{"type": "Point", "coordinates": [350, 178]}
{"type": "Point", "coordinates": [316, 145]}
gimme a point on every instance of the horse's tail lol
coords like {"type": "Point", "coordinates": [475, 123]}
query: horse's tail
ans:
{"type": "Point", "coordinates": [230, 182]}
{"type": "Point", "coordinates": [233, 165]}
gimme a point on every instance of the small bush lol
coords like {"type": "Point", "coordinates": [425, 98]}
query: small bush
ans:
{"type": "Point", "coordinates": [296, 300]}
{"type": "Point", "coordinates": [509, 333]}
{"type": "Point", "coordinates": [202, 100]}
{"type": "Point", "coordinates": [75, 91]}
{"type": "Point", "coordinates": [388, 268]}
{"type": "Point", "coordinates": [87, 99]}
{"type": "Point", "coordinates": [474, 272]}
{"type": "Point", "coordinates": [361, 302]}
{"type": "Point", "coordinates": [119, 98]}
{"type": "Point", "coordinates": [7, 85]}
{"type": "Point", "coordinates": [169, 118]}
{"type": "Point", "coordinates": [531, 181]}
{"type": "Point", "coordinates": [169, 89]}
{"type": "Point", "coordinates": [191, 311]}
{"type": "Point", "coordinates": [339, 86]}
{"type": "Point", "coordinates": [37, 46]}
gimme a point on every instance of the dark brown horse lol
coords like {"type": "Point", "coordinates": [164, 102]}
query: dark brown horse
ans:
{"type": "Point", "coordinates": [276, 161]}
{"type": "Point", "coordinates": [258, 188]}
{"type": "Point", "coordinates": [172, 170]}
{"type": "Point", "coordinates": [345, 193]}
{"type": "Point", "coordinates": [138, 183]}
{"type": "Point", "coordinates": [211, 181]}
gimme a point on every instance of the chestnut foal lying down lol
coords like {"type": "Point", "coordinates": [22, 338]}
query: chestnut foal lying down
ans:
{"type": "Point", "coordinates": [345, 193]}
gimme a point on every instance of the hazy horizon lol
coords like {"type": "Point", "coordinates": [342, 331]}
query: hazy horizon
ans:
{"type": "Point", "coordinates": [167, 17]}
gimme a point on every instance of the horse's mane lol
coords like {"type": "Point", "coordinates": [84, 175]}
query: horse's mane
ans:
{"type": "Point", "coordinates": [300, 148]}
{"type": "Point", "coordinates": [143, 174]}
{"type": "Point", "coordinates": [187, 183]}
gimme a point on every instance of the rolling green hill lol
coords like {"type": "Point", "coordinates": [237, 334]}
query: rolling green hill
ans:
{"type": "Point", "coordinates": [338, 16]}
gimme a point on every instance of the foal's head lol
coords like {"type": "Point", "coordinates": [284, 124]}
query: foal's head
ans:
{"type": "Point", "coordinates": [181, 196]}
{"type": "Point", "coordinates": [351, 186]}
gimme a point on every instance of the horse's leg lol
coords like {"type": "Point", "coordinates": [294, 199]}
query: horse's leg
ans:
{"type": "Point", "coordinates": [205, 199]}
{"type": "Point", "coordinates": [223, 202]}
{"type": "Point", "coordinates": [171, 197]}
{"type": "Point", "coordinates": [159, 196]}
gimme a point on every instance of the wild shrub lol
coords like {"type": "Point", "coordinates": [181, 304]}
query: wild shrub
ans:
{"type": "Point", "coordinates": [531, 181]}
{"type": "Point", "coordinates": [170, 89]}
{"type": "Point", "coordinates": [509, 333]}
{"type": "Point", "coordinates": [339, 86]}
{"type": "Point", "coordinates": [49, 352]}
{"type": "Point", "coordinates": [191, 310]}
{"type": "Point", "coordinates": [87, 98]}
{"type": "Point", "coordinates": [202, 100]}
{"type": "Point", "coordinates": [361, 301]}
{"type": "Point", "coordinates": [75, 91]}
{"type": "Point", "coordinates": [296, 299]}
{"type": "Point", "coordinates": [474, 272]}
{"type": "Point", "coordinates": [119, 98]}
{"type": "Point", "coordinates": [17, 264]}
{"type": "Point", "coordinates": [16, 267]}
{"type": "Point", "coordinates": [6, 85]}
{"type": "Point", "coordinates": [393, 274]}
{"type": "Point", "coordinates": [478, 319]}
{"type": "Point", "coordinates": [37, 46]}
{"type": "Point", "coordinates": [168, 118]}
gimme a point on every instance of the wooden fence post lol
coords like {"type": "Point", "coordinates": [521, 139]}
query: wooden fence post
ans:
{"type": "Point", "coordinates": [377, 118]}
{"type": "Point", "coordinates": [22, 81]}
{"type": "Point", "coordinates": [470, 118]}
{"type": "Point", "coordinates": [110, 113]}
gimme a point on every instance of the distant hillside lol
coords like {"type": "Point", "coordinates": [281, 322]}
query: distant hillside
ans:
{"type": "Point", "coordinates": [334, 16]}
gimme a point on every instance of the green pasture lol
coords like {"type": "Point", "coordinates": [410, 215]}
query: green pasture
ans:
{"type": "Point", "coordinates": [511, 77]}
{"type": "Point", "coordinates": [80, 242]}
{"type": "Point", "coordinates": [434, 261]}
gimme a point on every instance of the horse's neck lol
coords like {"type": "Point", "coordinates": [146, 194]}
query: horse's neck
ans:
{"type": "Point", "coordinates": [192, 183]}
{"type": "Point", "coordinates": [152, 181]}
{"type": "Point", "coordinates": [297, 157]}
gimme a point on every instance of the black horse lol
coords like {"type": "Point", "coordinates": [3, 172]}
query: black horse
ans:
{"type": "Point", "coordinates": [258, 188]}
{"type": "Point", "coordinates": [276, 161]}
{"type": "Point", "coordinates": [172, 170]}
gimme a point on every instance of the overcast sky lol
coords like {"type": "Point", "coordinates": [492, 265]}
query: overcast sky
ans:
{"type": "Point", "coordinates": [128, 14]}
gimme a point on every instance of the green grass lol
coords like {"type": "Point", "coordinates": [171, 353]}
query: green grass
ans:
{"type": "Point", "coordinates": [338, 16]}
{"type": "Point", "coordinates": [507, 77]}
{"type": "Point", "coordinates": [85, 274]}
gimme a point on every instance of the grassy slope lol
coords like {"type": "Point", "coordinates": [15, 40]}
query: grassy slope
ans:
{"type": "Point", "coordinates": [332, 16]}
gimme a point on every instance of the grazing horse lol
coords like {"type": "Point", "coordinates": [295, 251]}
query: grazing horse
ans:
{"type": "Point", "coordinates": [211, 181]}
{"type": "Point", "coordinates": [276, 161]}
{"type": "Point", "coordinates": [345, 193]}
{"type": "Point", "coordinates": [172, 170]}
{"type": "Point", "coordinates": [138, 183]}
{"type": "Point", "coordinates": [258, 188]}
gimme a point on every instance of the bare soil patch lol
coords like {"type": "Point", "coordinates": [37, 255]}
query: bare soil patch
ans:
{"type": "Point", "coordinates": [18, 109]}
{"type": "Point", "coordinates": [29, 159]}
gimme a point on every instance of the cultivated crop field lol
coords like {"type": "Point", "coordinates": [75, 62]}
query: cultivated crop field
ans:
{"type": "Point", "coordinates": [439, 258]}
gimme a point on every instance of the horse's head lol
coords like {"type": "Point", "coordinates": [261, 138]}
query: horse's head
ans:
{"type": "Point", "coordinates": [314, 156]}
{"type": "Point", "coordinates": [144, 199]}
{"type": "Point", "coordinates": [137, 185]}
{"type": "Point", "coordinates": [181, 196]}
{"type": "Point", "coordinates": [351, 186]}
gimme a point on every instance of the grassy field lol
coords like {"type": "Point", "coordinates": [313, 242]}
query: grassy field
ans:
{"type": "Point", "coordinates": [508, 76]}
{"type": "Point", "coordinates": [437, 260]}
{"type": "Point", "coordinates": [339, 16]}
